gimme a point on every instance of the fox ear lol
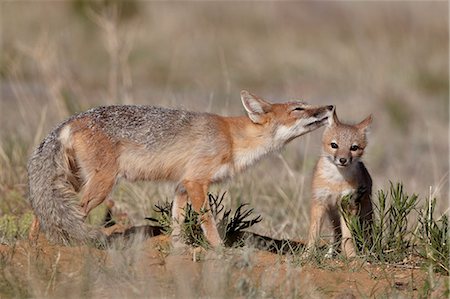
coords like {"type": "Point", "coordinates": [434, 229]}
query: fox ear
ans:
{"type": "Point", "coordinates": [255, 106]}
{"type": "Point", "coordinates": [365, 124]}
{"type": "Point", "coordinates": [333, 121]}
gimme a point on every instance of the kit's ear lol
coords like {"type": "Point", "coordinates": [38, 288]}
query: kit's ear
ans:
{"type": "Point", "coordinates": [364, 125]}
{"type": "Point", "coordinates": [333, 121]}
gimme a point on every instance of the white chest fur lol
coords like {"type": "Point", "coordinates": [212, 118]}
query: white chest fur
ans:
{"type": "Point", "coordinates": [335, 181]}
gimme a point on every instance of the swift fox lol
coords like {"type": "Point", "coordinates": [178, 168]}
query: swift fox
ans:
{"type": "Point", "coordinates": [339, 172]}
{"type": "Point", "coordinates": [89, 152]}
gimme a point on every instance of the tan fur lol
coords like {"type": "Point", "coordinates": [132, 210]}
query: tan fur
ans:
{"type": "Point", "coordinates": [340, 172]}
{"type": "Point", "coordinates": [192, 149]}
{"type": "Point", "coordinates": [98, 163]}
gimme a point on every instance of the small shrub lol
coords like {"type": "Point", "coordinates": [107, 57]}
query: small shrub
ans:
{"type": "Point", "coordinates": [163, 215]}
{"type": "Point", "coordinates": [391, 234]}
{"type": "Point", "coordinates": [229, 225]}
{"type": "Point", "coordinates": [394, 239]}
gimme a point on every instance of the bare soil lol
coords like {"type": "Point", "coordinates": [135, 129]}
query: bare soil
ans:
{"type": "Point", "coordinates": [151, 268]}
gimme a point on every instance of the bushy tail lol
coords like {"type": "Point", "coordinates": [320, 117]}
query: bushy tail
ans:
{"type": "Point", "coordinates": [53, 186]}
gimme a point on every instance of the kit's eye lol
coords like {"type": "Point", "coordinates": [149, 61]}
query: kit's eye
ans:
{"type": "Point", "coordinates": [334, 145]}
{"type": "Point", "coordinates": [298, 109]}
{"type": "Point", "coordinates": [354, 147]}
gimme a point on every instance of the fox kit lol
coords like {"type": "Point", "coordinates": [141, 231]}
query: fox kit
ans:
{"type": "Point", "coordinates": [340, 172]}
{"type": "Point", "coordinates": [90, 151]}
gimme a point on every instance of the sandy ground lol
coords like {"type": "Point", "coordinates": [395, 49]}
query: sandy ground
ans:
{"type": "Point", "coordinates": [150, 268]}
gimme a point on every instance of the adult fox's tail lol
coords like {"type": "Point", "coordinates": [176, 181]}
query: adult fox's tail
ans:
{"type": "Point", "coordinates": [53, 185]}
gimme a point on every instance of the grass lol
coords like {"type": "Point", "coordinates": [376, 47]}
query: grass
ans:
{"type": "Point", "coordinates": [236, 271]}
{"type": "Point", "coordinates": [394, 240]}
{"type": "Point", "coordinates": [434, 237]}
{"type": "Point", "coordinates": [13, 228]}
{"type": "Point", "coordinates": [397, 241]}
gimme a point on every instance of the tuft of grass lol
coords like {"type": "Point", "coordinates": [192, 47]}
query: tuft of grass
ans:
{"type": "Point", "coordinates": [394, 239]}
{"type": "Point", "coordinates": [391, 234]}
{"type": "Point", "coordinates": [13, 154]}
{"type": "Point", "coordinates": [12, 285]}
{"type": "Point", "coordinates": [14, 228]}
{"type": "Point", "coordinates": [434, 238]}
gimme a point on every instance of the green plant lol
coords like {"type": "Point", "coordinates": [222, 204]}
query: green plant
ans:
{"type": "Point", "coordinates": [394, 239]}
{"type": "Point", "coordinates": [163, 215]}
{"type": "Point", "coordinates": [434, 238]}
{"type": "Point", "coordinates": [390, 231]}
{"type": "Point", "coordinates": [230, 225]}
{"type": "Point", "coordinates": [14, 227]}
{"type": "Point", "coordinates": [13, 154]}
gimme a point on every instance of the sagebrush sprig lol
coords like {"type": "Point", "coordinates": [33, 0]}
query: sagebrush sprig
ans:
{"type": "Point", "coordinates": [229, 224]}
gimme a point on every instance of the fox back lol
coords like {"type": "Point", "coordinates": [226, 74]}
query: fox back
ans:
{"type": "Point", "coordinates": [89, 152]}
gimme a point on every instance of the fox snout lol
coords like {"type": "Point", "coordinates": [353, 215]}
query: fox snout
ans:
{"type": "Point", "coordinates": [342, 161]}
{"type": "Point", "coordinates": [342, 155]}
{"type": "Point", "coordinates": [319, 116]}
{"type": "Point", "coordinates": [322, 111]}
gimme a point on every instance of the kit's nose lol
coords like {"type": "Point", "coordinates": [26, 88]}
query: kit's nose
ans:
{"type": "Point", "coordinates": [330, 107]}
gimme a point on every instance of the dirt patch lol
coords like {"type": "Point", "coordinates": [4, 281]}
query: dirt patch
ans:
{"type": "Point", "coordinates": [149, 267]}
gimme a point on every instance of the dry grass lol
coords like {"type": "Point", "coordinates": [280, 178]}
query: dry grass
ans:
{"type": "Point", "coordinates": [388, 59]}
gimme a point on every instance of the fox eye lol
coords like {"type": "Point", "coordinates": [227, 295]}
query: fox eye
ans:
{"type": "Point", "coordinates": [354, 148]}
{"type": "Point", "coordinates": [334, 145]}
{"type": "Point", "coordinates": [298, 109]}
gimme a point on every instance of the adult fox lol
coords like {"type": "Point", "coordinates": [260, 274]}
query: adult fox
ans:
{"type": "Point", "coordinates": [90, 151]}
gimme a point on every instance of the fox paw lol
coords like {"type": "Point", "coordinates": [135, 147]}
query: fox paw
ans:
{"type": "Point", "coordinates": [331, 253]}
{"type": "Point", "coordinates": [178, 242]}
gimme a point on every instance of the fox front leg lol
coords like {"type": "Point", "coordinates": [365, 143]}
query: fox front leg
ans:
{"type": "Point", "coordinates": [317, 216]}
{"type": "Point", "coordinates": [334, 217]}
{"type": "Point", "coordinates": [197, 193]}
{"type": "Point", "coordinates": [178, 215]}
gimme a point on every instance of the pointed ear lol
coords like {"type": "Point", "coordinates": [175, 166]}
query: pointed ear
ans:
{"type": "Point", "coordinates": [334, 121]}
{"type": "Point", "coordinates": [365, 124]}
{"type": "Point", "coordinates": [255, 106]}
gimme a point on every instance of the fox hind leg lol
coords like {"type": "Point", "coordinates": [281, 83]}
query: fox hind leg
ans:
{"type": "Point", "coordinates": [347, 245]}
{"type": "Point", "coordinates": [366, 220]}
{"type": "Point", "coordinates": [96, 191]}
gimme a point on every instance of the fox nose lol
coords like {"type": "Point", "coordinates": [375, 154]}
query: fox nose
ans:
{"type": "Point", "coordinates": [343, 160]}
{"type": "Point", "coordinates": [330, 107]}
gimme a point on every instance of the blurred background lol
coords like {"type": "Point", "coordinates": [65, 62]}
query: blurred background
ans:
{"type": "Point", "coordinates": [389, 59]}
